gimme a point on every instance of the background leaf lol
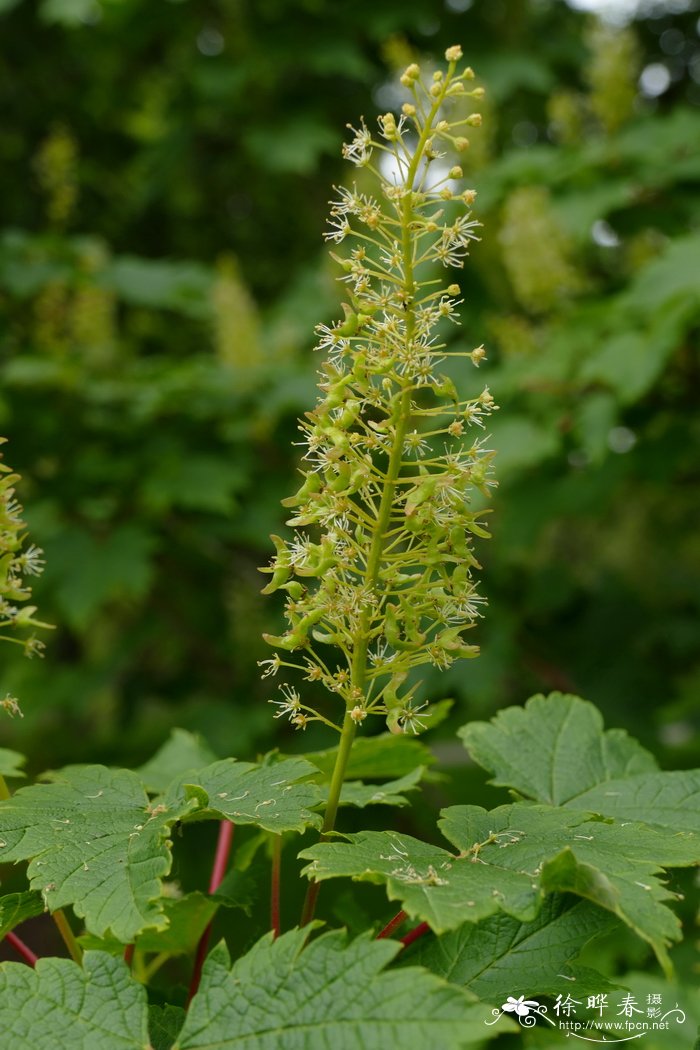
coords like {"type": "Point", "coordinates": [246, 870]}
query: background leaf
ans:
{"type": "Point", "coordinates": [181, 753]}
{"type": "Point", "coordinates": [670, 800]}
{"type": "Point", "coordinates": [275, 797]}
{"type": "Point", "coordinates": [10, 763]}
{"type": "Point", "coordinates": [500, 956]}
{"type": "Point", "coordinates": [391, 793]}
{"type": "Point", "coordinates": [377, 757]}
{"type": "Point", "coordinates": [187, 917]}
{"type": "Point", "coordinates": [164, 1024]}
{"type": "Point", "coordinates": [15, 908]}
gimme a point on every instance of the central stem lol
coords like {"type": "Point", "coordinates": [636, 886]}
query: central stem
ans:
{"type": "Point", "coordinates": [402, 417]}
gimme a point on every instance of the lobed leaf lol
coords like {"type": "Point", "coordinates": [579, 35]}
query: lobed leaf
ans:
{"type": "Point", "coordinates": [96, 1007]}
{"type": "Point", "coordinates": [94, 842]}
{"type": "Point", "coordinates": [277, 797]}
{"type": "Point", "coordinates": [553, 749]}
{"type": "Point", "coordinates": [509, 858]}
{"type": "Point", "coordinates": [282, 996]}
{"type": "Point", "coordinates": [375, 757]}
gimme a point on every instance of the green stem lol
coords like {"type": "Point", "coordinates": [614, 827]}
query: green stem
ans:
{"type": "Point", "coordinates": [341, 763]}
{"type": "Point", "coordinates": [63, 926]}
{"type": "Point", "coordinates": [148, 970]}
{"type": "Point", "coordinates": [374, 560]}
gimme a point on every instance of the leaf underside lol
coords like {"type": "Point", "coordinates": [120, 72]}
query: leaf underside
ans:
{"type": "Point", "coordinates": [502, 956]}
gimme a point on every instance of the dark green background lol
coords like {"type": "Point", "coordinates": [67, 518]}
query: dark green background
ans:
{"type": "Point", "coordinates": [165, 172]}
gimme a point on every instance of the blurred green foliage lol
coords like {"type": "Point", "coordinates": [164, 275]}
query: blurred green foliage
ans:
{"type": "Point", "coordinates": [166, 167]}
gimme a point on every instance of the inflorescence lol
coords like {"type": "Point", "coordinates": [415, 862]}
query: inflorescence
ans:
{"type": "Point", "coordinates": [380, 567]}
{"type": "Point", "coordinates": [16, 564]}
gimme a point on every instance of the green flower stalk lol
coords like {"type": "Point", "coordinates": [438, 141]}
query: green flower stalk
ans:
{"type": "Point", "coordinates": [17, 562]}
{"type": "Point", "coordinates": [380, 569]}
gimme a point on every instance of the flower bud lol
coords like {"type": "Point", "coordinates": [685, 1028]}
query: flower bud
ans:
{"type": "Point", "coordinates": [454, 53]}
{"type": "Point", "coordinates": [387, 124]}
{"type": "Point", "coordinates": [456, 172]}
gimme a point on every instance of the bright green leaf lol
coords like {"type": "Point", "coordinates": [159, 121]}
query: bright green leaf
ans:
{"type": "Point", "coordinates": [187, 918]}
{"type": "Point", "coordinates": [375, 757]}
{"type": "Point", "coordinates": [283, 996]}
{"type": "Point", "coordinates": [553, 749]}
{"type": "Point", "coordinates": [58, 1003]}
{"type": "Point", "coordinates": [509, 858]}
{"type": "Point", "coordinates": [277, 797]}
{"type": "Point", "coordinates": [94, 842]}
